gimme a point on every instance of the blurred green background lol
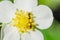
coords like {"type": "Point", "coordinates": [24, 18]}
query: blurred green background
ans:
{"type": "Point", "coordinates": [53, 33]}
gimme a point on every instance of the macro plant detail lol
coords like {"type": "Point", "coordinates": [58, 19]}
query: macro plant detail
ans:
{"type": "Point", "coordinates": [21, 18]}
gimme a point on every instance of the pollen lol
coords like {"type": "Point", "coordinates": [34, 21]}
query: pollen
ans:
{"type": "Point", "coordinates": [23, 21]}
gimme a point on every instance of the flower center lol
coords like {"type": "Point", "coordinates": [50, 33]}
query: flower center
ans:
{"type": "Point", "coordinates": [23, 21]}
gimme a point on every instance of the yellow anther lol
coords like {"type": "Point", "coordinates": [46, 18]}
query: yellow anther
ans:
{"type": "Point", "coordinates": [26, 14]}
{"type": "Point", "coordinates": [22, 21]}
{"type": "Point", "coordinates": [28, 24]}
{"type": "Point", "coordinates": [30, 20]}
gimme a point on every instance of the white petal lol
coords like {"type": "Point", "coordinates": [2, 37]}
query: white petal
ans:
{"type": "Point", "coordinates": [36, 35]}
{"type": "Point", "coordinates": [10, 33]}
{"type": "Point", "coordinates": [6, 11]}
{"type": "Point", "coordinates": [19, 4]}
{"type": "Point", "coordinates": [29, 5]}
{"type": "Point", "coordinates": [32, 35]}
{"type": "Point", "coordinates": [25, 36]}
{"type": "Point", "coordinates": [26, 5]}
{"type": "Point", "coordinates": [44, 17]}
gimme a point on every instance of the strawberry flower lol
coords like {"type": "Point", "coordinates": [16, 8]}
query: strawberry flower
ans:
{"type": "Point", "coordinates": [21, 19]}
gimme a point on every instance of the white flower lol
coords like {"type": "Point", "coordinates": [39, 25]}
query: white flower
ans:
{"type": "Point", "coordinates": [43, 17]}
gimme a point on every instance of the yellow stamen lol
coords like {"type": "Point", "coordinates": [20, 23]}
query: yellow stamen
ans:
{"type": "Point", "coordinates": [23, 21]}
